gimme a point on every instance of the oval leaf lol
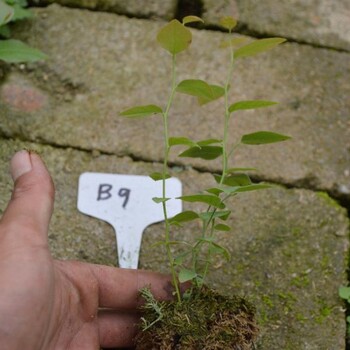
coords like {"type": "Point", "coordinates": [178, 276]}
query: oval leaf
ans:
{"type": "Point", "coordinates": [5, 31]}
{"type": "Point", "coordinates": [263, 137]}
{"type": "Point", "coordinates": [174, 37]}
{"type": "Point", "coordinates": [234, 170]}
{"type": "Point", "coordinates": [191, 19]}
{"type": "Point", "coordinates": [159, 199]}
{"type": "Point", "coordinates": [234, 180]}
{"type": "Point", "coordinates": [6, 13]}
{"type": "Point", "coordinates": [218, 249]}
{"type": "Point", "coordinates": [204, 198]}
{"type": "Point", "coordinates": [184, 216]}
{"type": "Point", "coordinates": [20, 13]}
{"type": "Point", "coordinates": [14, 51]}
{"type": "Point", "coordinates": [249, 188]}
{"type": "Point", "coordinates": [258, 46]}
{"type": "Point", "coordinates": [181, 257]}
{"type": "Point", "coordinates": [141, 111]}
{"type": "Point", "coordinates": [203, 91]}
{"type": "Point", "coordinates": [344, 292]}
{"type": "Point", "coordinates": [233, 42]}
{"type": "Point", "coordinates": [217, 92]}
{"type": "Point", "coordinates": [174, 141]}
{"type": "Point", "coordinates": [205, 152]}
{"type": "Point", "coordinates": [223, 215]}
{"type": "Point", "coordinates": [228, 22]}
{"type": "Point", "coordinates": [208, 142]}
{"type": "Point", "coordinates": [195, 87]}
{"type": "Point", "coordinates": [215, 191]}
{"type": "Point", "coordinates": [158, 176]}
{"type": "Point", "coordinates": [186, 275]}
{"type": "Point", "coordinates": [222, 227]}
{"type": "Point", "coordinates": [242, 105]}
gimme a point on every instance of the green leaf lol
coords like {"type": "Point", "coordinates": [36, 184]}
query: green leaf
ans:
{"type": "Point", "coordinates": [205, 152]}
{"type": "Point", "coordinates": [141, 111]}
{"type": "Point", "coordinates": [214, 190]}
{"type": "Point", "coordinates": [258, 46]}
{"type": "Point", "coordinates": [218, 249]}
{"type": "Point", "coordinates": [344, 293]}
{"type": "Point", "coordinates": [242, 105]}
{"type": "Point", "coordinates": [222, 227]}
{"type": "Point", "coordinates": [217, 92]}
{"type": "Point", "coordinates": [174, 37]}
{"type": "Point", "coordinates": [191, 19]}
{"type": "Point", "coordinates": [14, 51]}
{"type": "Point", "coordinates": [233, 42]}
{"type": "Point", "coordinates": [195, 87]}
{"type": "Point", "coordinates": [234, 170]}
{"type": "Point", "coordinates": [158, 176]}
{"type": "Point", "coordinates": [5, 31]}
{"type": "Point", "coordinates": [234, 180]}
{"type": "Point", "coordinates": [208, 142]}
{"type": "Point", "coordinates": [205, 239]}
{"type": "Point", "coordinates": [203, 91]}
{"type": "Point", "coordinates": [20, 13]}
{"type": "Point", "coordinates": [174, 141]}
{"type": "Point", "coordinates": [159, 199]}
{"type": "Point", "coordinates": [263, 137]}
{"type": "Point", "coordinates": [240, 189]}
{"type": "Point", "coordinates": [184, 217]}
{"type": "Point", "coordinates": [204, 198]}
{"type": "Point", "coordinates": [223, 215]}
{"type": "Point", "coordinates": [6, 13]}
{"type": "Point", "coordinates": [181, 257]}
{"type": "Point", "coordinates": [228, 22]}
{"type": "Point", "coordinates": [186, 275]}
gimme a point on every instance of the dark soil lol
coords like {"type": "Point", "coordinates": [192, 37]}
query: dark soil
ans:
{"type": "Point", "coordinates": [204, 321]}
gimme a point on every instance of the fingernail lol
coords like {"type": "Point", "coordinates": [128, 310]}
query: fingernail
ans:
{"type": "Point", "coordinates": [20, 164]}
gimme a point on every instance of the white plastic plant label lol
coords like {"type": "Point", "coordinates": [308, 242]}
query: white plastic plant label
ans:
{"type": "Point", "coordinates": [125, 202]}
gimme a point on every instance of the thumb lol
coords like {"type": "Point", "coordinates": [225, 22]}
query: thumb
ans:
{"type": "Point", "coordinates": [30, 208]}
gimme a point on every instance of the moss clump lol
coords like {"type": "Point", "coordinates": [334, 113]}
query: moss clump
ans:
{"type": "Point", "coordinates": [205, 320]}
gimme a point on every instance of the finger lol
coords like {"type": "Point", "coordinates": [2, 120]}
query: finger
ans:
{"type": "Point", "coordinates": [117, 329]}
{"type": "Point", "coordinates": [30, 208]}
{"type": "Point", "coordinates": [120, 288]}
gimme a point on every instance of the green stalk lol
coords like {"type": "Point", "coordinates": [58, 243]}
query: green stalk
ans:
{"type": "Point", "coordinates": [227, 118]}
{"type": "Point", "coordinates": [165, 168]}
{"type": "Point", "coordinates": [208, 262]}
{"type": "Point", "coordinates": [225, 154]}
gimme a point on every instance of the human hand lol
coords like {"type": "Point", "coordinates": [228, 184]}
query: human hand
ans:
{"type": "Point", "coordinates": [46, 304]}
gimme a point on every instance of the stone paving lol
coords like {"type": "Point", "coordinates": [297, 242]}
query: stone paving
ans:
{"type": "Point", "coordinates": [320, 22]}
{"type": "Point", "coordinates": [289, 244]}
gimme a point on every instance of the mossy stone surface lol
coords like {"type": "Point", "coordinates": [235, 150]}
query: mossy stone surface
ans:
{"type": "Point", "coordinates": [318, 22]}
{"type": "Point", "coordinates": [165, 9]}
{"type": "Point", "coordinates": [289, 247]}
{"type": "Point", "coordinates": [79, 91]}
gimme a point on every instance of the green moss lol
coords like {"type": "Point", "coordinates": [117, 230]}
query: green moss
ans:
{"type": "Point", "coordinates": [330, 201]}
{"type": "Point", "coordinates": [300, 281]}
{"type": "Point", "coordinates": [324, 311]}
{"type": "Point", "coordinates": [267, 301]}
{"type": "Point", "coordinates": [300, 317]}
{"type": "Point", "coordinates": [205, 320]}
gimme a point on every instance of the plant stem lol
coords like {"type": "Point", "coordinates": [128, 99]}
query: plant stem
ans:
{"type": "Point", "coordinates": [165, 168]}
{"type": "Point", "coordinates": [227, 118]}
{"type": "Point", "coordinates": [225, 154]}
